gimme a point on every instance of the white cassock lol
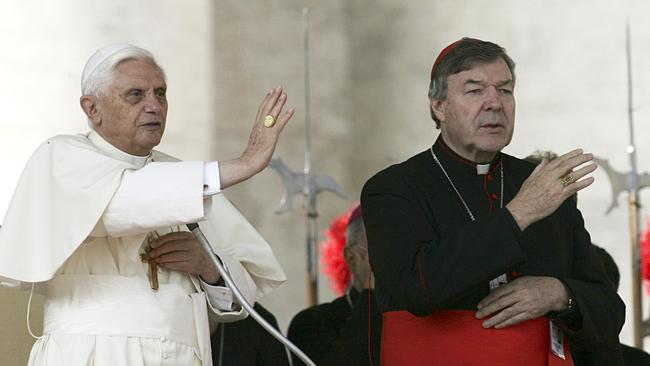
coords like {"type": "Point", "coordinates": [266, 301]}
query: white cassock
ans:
{"type": "Point", "coordinates": [77, 223]}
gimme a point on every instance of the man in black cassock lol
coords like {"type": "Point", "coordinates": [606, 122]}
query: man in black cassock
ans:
{"type": "Point", "coordinates": [246, 343]}
{"type": "Point", "coordinates": [479, 258]}
{"type": "Point", "coordinates": [631, 355]}
{"type": "Point", "coordinates": [338, 333]}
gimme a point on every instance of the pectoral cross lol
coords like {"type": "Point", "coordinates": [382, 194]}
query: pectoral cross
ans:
{"type": "Point", "coordinates": [153, 267]}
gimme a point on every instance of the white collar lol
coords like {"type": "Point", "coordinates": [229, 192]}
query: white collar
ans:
{"type": "Point", "coordinates": [112, 151]}
{"type": "Point", "coordinates": [482, 169]}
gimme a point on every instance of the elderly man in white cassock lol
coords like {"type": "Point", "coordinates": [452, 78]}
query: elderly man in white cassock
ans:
{"type": "Point", "coordinates": [97, 223]}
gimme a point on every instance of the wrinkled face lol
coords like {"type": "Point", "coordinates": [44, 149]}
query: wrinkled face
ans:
{"type": "Point", "coordinates": [132, 111]}
{"type": "Point", "coordinates": [356, 256]}
{"type": "Point", "coordinates": [477, 118]}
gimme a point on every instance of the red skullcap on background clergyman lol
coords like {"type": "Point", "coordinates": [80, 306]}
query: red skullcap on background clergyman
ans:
{"type": "Point", "coordinates": [354, 215]}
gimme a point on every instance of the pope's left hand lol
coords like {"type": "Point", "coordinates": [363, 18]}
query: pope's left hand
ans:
{"type": "Point", "coordinates": [181, 251]}
{"type": "Point", "coordinates": [525, 298]}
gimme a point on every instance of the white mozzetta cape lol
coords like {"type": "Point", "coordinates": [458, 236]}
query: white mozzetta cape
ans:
{"type": "Point", "coordinates": [63, 193]}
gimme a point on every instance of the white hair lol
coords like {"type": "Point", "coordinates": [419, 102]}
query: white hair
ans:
{"type": "Point", "coordinates": [100, 67]}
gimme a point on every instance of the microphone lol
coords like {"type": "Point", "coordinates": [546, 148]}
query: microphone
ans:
{"type": "Point", "coordinates": [196, 230]}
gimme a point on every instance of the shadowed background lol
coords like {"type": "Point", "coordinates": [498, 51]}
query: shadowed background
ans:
{"type": "Point", "coordinates": [370, 62]}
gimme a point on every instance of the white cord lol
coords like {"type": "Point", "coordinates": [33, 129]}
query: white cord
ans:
{"type": "Point", "coordinates": [29, 307]}
{"type": "Point", "coordinates": [242, 300]}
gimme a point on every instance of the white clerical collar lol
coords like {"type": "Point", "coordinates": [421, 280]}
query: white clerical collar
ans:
{"type": "Point", "coordinates": [454, 161]}
{"type": "Point", "coordinates": [114, 152]}
{"type": "Point", "coordinates": [482, 169]}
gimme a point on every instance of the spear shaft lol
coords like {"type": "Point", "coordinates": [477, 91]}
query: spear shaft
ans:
{"type": "Point", "coordinates": [633, 202]}
{"type": "Point", "coordinates": [308, 189]}
{"type": "Point", "coordinates": [306, 183]}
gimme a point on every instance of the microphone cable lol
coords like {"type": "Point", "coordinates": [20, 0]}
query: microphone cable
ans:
{"type": "Point", "coordinates": [194, 228]}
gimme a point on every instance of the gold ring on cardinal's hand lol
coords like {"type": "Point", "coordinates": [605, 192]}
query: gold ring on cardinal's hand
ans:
{"type": "Point", "coordinates": [567, 179]}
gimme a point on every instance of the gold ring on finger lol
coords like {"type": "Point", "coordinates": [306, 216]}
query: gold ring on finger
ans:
{"type": "Point", "coordinates": [269, 121]}
{"type": "Point", "coordinates": [567, 179]}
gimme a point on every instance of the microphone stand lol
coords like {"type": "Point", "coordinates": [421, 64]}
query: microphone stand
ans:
{"type": "Point", "coordinates": [194, 228]}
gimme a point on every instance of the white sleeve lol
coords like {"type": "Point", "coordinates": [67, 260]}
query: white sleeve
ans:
{"type": "Point", "coordinates": [221, 300]}
{"type": "Point", "coordinates": [219, 297]}
{"type": "Point", "coordinates": [211, 178]}
{"type": "Point", "coordinates": [161, 194]}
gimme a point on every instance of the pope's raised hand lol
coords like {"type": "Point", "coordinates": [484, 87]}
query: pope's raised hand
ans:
{"type": "Point", "coordinates": [269, 123]}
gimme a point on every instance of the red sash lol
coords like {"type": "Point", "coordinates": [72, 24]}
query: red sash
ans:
{"type": "Point", "coordinates": [456, 338]}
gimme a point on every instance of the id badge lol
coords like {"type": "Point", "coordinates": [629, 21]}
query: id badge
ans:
{"type": "Point", "coordinates": [557, 339]}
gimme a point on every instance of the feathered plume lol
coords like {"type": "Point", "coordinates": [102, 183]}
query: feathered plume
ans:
{"type": "Point", "coordinates": [332, 261]}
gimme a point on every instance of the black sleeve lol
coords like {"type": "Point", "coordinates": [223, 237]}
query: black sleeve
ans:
{"type": "Point", "coordinates": [607, 354]}
{"type": "Point", "coordinates": [270, 352]}
{"type": "Point", "coordinates": [335, 335]}
{"type": "Point", "coordinates": [313, 331]}
{"type": "Point", "coordinates": [419, 267]}
{"type": "Point", "coordinates": [351, 346]}
{"type": "Point", "coordinates": [245, 342]}
{"type": "Point", "coordinates": [600, 312]}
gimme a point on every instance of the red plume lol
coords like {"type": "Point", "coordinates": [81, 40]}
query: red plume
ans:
{"type": "Point", "coordinates": [645, 255]}
{"type": "Point", "coordinates": [331, 250]}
